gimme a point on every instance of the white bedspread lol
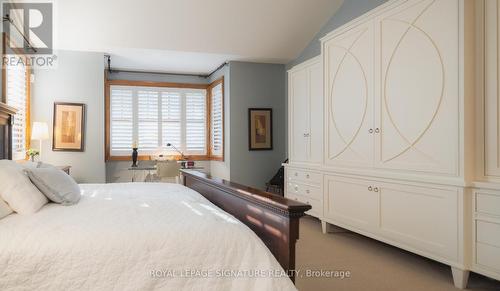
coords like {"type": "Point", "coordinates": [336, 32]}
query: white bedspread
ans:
{"type": "Point", "coordinates": [135, 237]}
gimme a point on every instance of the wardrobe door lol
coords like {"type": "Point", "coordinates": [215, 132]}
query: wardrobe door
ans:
{"type": "Point", "coordinates": [352, 202]}
{"type": "Point", "coordinates": [417, 46]}
{"type": "Point", "coordinates": [316, 113]}
{"type": "Point", "coordinates": [423, 218]}
{"type": "Point", "coordinates": [348, 61]}
{"type": "Point", "coordinates": [298, 115]}
{"type": "Point", "coordinates": [492, 97]}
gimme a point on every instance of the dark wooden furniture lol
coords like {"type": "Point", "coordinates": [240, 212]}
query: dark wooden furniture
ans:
{"type": "Point", "coordinates": [273, 218]}
{"type": "Point", "coordinates": [6, 113]}
{"type": "Point", "coordinates": [65, 169]}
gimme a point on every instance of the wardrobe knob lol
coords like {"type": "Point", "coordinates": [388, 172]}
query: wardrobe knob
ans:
{"type": "Point", "coordinates": [370, 130]}
{"type": "Point", "coordinates": [370, 188]}
{"type": "Point", "coordinates": [375, 189]}
{"type": "Point", "coordinates": [377, 130]}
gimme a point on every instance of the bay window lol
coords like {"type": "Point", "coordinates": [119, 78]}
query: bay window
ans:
{"type": "Point", "coordinates": [151, 116]}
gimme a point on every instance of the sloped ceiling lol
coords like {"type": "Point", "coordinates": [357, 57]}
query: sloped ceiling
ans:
{"type": "Point", "coordinates": [190, 35]}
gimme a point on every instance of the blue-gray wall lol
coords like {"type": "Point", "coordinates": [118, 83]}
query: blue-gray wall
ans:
{"type": "Point", "coordinates": [349, 10]}
{"type": "Point", "coordinates": [79, 78]}
{"type": "Point", "coordinates": [256, 85]}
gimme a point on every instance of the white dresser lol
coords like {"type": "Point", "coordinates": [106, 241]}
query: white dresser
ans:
{"type": "Point", "coordinates": [410, 151]}
{"type": "Point", "coordinates": [486, 232]}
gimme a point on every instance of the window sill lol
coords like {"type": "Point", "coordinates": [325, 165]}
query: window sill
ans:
{"type": "Point", "coordinates": [152, 158]}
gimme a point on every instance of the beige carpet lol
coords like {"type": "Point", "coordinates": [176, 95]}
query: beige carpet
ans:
{"type": "Point", "coordinates": [373, 265]}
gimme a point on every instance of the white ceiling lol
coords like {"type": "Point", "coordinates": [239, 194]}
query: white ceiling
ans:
{"type": "Point", "coordinates": [190, 35]}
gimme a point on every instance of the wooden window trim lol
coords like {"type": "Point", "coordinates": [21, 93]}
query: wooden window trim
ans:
{"type": "Point", "coordinates": [151, 158]}
{"type": "Point", "coordinates": [107, 96]}
{"type": "Point", "coordinates": [212, 157]}
{"type": "Point", "coordinates": [5, 39]}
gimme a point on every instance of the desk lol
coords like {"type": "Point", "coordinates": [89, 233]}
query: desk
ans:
{"type": "Point", "coordinates": [153, 168]}
{"type": "Point", "coordinates": [136, 169]}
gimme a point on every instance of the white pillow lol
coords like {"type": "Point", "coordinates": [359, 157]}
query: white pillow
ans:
{"type": "Point", "coordinates": [17, 190]}
{"type": "Point", "coordinates": [4, 209]}
{"type": "Point", "coordinates": [58, 186]}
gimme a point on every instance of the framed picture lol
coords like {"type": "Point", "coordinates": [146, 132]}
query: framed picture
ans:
{"type": "Point", "coordinates": [69, 127]}
{"type": "Point", "coordinates": [260, 129]}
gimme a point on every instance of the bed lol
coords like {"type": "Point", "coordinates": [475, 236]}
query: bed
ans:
{"type": "Point", "coordinates": [207, 234]}
{"type": "Point", "coordinates": [134, 236]}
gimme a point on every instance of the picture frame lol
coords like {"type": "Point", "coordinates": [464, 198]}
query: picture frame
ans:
{"type": "Point", "coordinates": [260, 129]}
{"type": "Point", "coordinates": [69, 127]}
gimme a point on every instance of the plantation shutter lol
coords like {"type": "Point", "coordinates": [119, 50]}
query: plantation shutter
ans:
{"type": "Point", "coordinates": [148, 131]}
{"type": "Point", "coordinates": [121, 121]}
{"type": "Point", "coordinates": [217, 119]}
{"type": "Point", "coordinates": [17, 97]}
{"type": "Point", "coordinates": [171, 120]}
{"type": "Point", "coordinates": [196, 122]}
{"type": "Point", "coordinates": [153, 117]}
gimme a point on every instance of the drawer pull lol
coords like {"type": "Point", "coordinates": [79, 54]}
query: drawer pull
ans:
{"type": "Point", "coordinates": [307, 191]}
{"type": "Point", "coordinates": [296, 174]}
{"type": "Point", "coordinates": [307, 176]}
{"type": "Point", "coordinates": [375, 189]}
{"type": "Point", "coordinates": [296, 188]}
{"type": "Point", "coordinates": [370, 188]}
{"type": "Point", "coordinates": [295, 199]}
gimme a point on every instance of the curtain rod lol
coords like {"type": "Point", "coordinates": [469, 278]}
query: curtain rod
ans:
{"type": "Point", "coordinates": [218, 68]}
{"type": "Point", "coordinates": [156, 73]}
{"type": "Point", "coordinates": [108, 57]}
{"type": "Point", "coordinates": [26, 40]}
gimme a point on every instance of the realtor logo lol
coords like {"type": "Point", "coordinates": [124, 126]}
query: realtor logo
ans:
{"type": "Point", "coordinates": [28, 27]}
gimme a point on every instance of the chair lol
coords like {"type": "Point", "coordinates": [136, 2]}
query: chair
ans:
{"type": "Point", "coordinates": [168, 171]}
{"type": "Point", "coordinates": [277, 184]}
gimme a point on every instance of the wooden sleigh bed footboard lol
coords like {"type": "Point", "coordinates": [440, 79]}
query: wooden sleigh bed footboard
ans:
{"type": "Point", "coordinates": [273, 218]}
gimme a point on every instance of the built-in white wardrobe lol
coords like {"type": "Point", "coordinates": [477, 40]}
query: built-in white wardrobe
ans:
{"type": "Point", "coordinates": [410, 137]}
{"type": "Point", "coordinates": [305, 107]}
{"type": "Point", "coordinates": [486, 192]}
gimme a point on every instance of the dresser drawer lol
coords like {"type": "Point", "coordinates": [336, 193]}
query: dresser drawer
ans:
{"type": "Point", "coordinates": [488, 233]}
{"type": "Point", "coordinates": [488, 256]}
{"type": "Point", "coordinates": [308, 191]}
{"type": "Point", "coordinates": [305, 176]}
{"type": "Point", "coordinates": [316, 206]}
{"type": "Point", "coordinates": [487, 203]}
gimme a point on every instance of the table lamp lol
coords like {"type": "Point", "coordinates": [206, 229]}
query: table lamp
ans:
{"type": "Point", "coordinates": [40, 132]}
